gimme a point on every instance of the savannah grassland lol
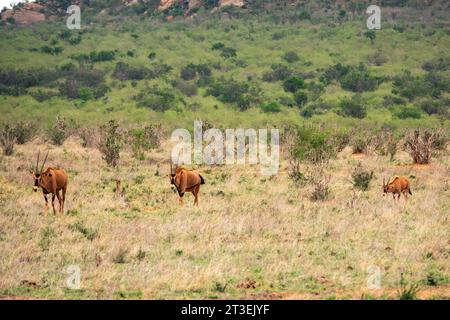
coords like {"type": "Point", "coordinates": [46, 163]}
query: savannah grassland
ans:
{"type": "Point", "coordinates": [252, 236]}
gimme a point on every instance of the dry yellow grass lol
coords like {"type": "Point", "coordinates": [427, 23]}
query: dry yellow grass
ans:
{"type": "Point", "coordinates": [252, 236]}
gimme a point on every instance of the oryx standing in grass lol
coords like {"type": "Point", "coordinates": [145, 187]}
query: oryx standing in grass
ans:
{"type": "Point", "coordinates": [185, 181]}
{"type": "Point", "coordinates": [50, 181]}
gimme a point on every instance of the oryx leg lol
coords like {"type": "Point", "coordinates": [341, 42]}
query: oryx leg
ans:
{"type": "Point", "coordinates": [195, 193]}
{"type": "Point", "coordinates": [63, 199]}
{"type": "Point", "coordinates": [53, 203]}
{"type": "Point", "coordinates": [180, 200]}
{"type": "Point", "coordinates": [46, 205]}
{"type": "Point", "coordinates": [60, 202]}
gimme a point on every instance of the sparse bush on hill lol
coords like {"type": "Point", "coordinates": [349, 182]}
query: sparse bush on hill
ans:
{"type": "Point", "coordinates": [293, 84]}
{"type": "Point", "coordinates": [410, 86]}
{"type": "Point", "coordinates": [187, 88]}
{"type": "Point", "coordinates": [408, 112]}
{"type": "Point", "coordinates": [156, 98]}
{"type": "Point", "coordinates": [111, 143]}
{"type": "Point", "coordinates": [291, 57]}
{"type": "Point", "coordinates": [301, 98]}
{"type": "Point", "coordinates": [279, 72]}
{"type": "Point", "coordinates": [271, 107]}
{"type": "Point", "coordinates": [235, 92]}
{"type": "Point", "coordinates": [354, 107]}
{"type": "Point", "coordinates": [124, 71]}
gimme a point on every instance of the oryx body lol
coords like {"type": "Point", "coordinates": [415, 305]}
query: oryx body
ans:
{"type": "Point", "coordinates": [186, 181]}
{"type": "Point", "coordinates": [397, 186]}
{"type": "Point", "coordinates": [52, 181]}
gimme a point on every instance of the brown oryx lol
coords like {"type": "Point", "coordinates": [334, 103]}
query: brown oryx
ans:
{"type": "Point", "coordinates": [397, 186]}
{"type": "Point", "coordinates": [186, 181]}
{"type": "Point", "coordinates": [51, 180]}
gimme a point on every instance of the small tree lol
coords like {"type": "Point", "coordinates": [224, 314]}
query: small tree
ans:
{"type": "Point", "coordinates": [7, 139]}
{"type": "Point", "coordinates": [111, 143]}
{"type": "Point", "coordinates": [421, 145]}
{"type": "Point", "coordinates": [59, 131]}
{"type": "Point", "coordinates": [354, 107]}
{"type": "Point", "coordinates": [24, 131]}
{"type": "Point", "coordinates": [361, 178]}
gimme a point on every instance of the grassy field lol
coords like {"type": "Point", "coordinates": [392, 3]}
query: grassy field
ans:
{"type": "Point", "coordinates": [251, 237]}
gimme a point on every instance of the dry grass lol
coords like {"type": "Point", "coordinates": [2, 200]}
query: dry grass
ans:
{"type": "Point", "coordinates": [252, 236]}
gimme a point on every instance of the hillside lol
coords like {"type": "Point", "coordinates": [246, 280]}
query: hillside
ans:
{"type": "Point", "coordinates": [230, 66]}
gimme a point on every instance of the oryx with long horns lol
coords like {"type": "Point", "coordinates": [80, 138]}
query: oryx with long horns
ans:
{"type": "Point", "coordinates": [52, 181]}
{"type": "Point", "coordinates": [185, 181]}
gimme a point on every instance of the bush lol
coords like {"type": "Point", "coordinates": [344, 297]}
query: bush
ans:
{"type": "Point", "coordinates": [279, 72]}
{"type": "Point", "coordinates": [111, 143]}
{"type": "Point", "coordinates": [271, 107]}
{"type": "Point", "coordinates": [157, 98]}
{"type": "Point", "coordinates": [189, 72]}
{"type": "Point", "coordinates": [24, 131]}
{"type": "Point", "coordinates": [293, 84]}
{"type": "Point", "coordinates": [410, 86]}
{"type": "Point", "coordinates": [312, 145]}
{"type": "Point", "coordinates": [359, 81]}
{"type": "Point", "coordinates": [387, 144]}
{"type": "Point", "coordinates": [186, 88]}
{"type": "Point", "coordinates": [228, 52]}
{"type": "Point", "coordinates": [235, 92]}
{"type": "Point", "coordinates": [89, 137]}
{"type": "Point", "coordinates": [7, 139]}
{"type": "Point", "coordinates": [60, 130]}
{"type": "Point", "coordinates": [354, 107]}
{"type": "Point", "coordinates": [361, 178]}
{"type": "Point", "coordinates": [291, 56]}
{"type": "Point", "coordinates": [361, 142]}
{"type": "Point", "coordinates": [333, 73]}
{"type": "Point", "coordinates": [145, 139]}
{"type": "Point", "coordinates": [320, 181]}
{"type": "Point", "coordinates": [300, 98]}
{"type": "Point", "coordinates": [124, 71]}
{"type": "Point", "coordinates": [408, 112]}
{"type": "Point", "coordinates": [421, 145]}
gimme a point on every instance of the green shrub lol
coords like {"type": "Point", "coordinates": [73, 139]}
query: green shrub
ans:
{"type": "Point", "coordinates": [271, 107]}
{"type": "Point", "coordinates": [361, 178]}
{"type": "Point", "coordinates": [354, 107]}
{"type": "Point", "coordinates": [157, 98]}
{"type": "Point", "coordinates": [111, 143]}
{"type": "Point", "coordinates": [60, 130]}
{"type": "Point", "coordinates": [312, 145]}
{"type": "Point", "coordinates": [24, 131]}
{"type": "Point", "coordinates": [279, 72]}
{"type": "Point", "coordinates": [408, 112]}
{"type": "Point", "coordinates": [291, 57]}
{"type": "Point", "coordinates": [301, 98]}
{"type": "Point", "coordinates": [293, 84]}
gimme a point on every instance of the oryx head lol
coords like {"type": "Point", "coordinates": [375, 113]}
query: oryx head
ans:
{"type": "Point", "coordinates": [37, 173]}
